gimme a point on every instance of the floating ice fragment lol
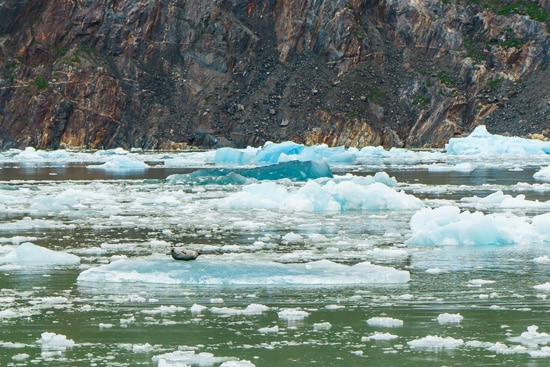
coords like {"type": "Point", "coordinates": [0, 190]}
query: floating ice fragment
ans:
{"type": "Point", "coordinates": [480, 282]}
{"type": "Point", "coordinates": [330, 196]}
{"type": "Point", "coordinates": [322, 272]}
{"type": "Point", "coordinates": [545, 259]}
{"type": "Point", "coordinates": [28, 254]}
{"type": "Point", "coordinates": [267, 330]}
{"type": "Point", "coordinates": [185, 358]}
{"type": "Point", "coordinates": [241, 363]}
{"type": "Point", "coordinates": [197, 308]}
{"type": "Point", "coordinates": [20, 357]}
{"type": "Point", "coordinates": [449, 319]}
{"type": "Point", "coordinates": [55, 342]}
{"type": "Point", "coordinates": [543, 174]}
{"type": "Point", "coordinates": [120, 163]}
{"type": "Point", "coordinates": [378, 336]}
{"type": "Point", "coordinates": [448, 226]}
{"type": "Point", "coordinates": [460, 167]}
{"type": "Point", "coordinates": [322, 326]}
{"type": "Point", "coordinates": [435, 342]}
{"type": "Point", "coordinates": [272, 153]}
{"type": "Point", "coordinates": [545, 287]}
{"type": "Point", "coordinates": [532, 338]}
{"type": "Point", "coordinates": [386, 322]}
{"type": "Point", "coordinates": [480, 141]}
{"type": "Point", "coordinates": [296, 171]}
{"type": "Point", "coordinates": [293, 314]}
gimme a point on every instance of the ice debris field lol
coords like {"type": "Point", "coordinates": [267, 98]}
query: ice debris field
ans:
{"type": "Point", "coordinates": [394, 253]}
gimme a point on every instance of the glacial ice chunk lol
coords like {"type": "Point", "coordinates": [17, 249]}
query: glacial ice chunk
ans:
{"type": "Point", "coordinates": [480, 141]}
{"type": "Point", "coordinates": [323, 197]}
{"type": "Point", "coordinates": [272, 153]}
{"type": "Point", "coordinates": [120, 163]}
{"type": "Point", "coordinates": [218, 272]}
{"type": "Point", "coordinates": [56, 342]}
{"type": "Point", "coordinates": [293, 170]}
{"type": "Point", "coordinates": [187, 358]}
{"type": "Point", "coordinates": [28, 254]}
{"type": "Point", "coordinates": [543, 174]}
{"type": "Point", "coordinates": [434, 342]}
{"type": "Point", "coordinates": [449, 226]}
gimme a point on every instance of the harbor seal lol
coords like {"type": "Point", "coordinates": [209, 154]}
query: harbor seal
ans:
{"type": "Point", "coordinates": [179, 253]}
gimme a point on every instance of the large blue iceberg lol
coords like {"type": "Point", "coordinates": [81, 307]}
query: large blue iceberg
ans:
{"type": "Point", "coordinates": [208, 271]}
{"type": "Point", "coordinates": [272, 153]}
{"type": "Point", "coordinates": [293, 170]}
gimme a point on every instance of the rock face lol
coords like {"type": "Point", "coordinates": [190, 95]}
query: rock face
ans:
{"type": "Point", "coordinates": [162, 74]}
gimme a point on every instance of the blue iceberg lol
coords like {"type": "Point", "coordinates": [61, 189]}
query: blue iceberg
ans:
{"type": "Point", "coordinates": [293, 170]}
{"type": "Point", "coordinates": [208, 271]}
{"type": "Point", "coordinates": [272, 153]}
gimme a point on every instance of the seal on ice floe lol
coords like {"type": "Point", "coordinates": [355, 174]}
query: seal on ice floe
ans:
{"type": "Point", "coordinates": [179, 253]}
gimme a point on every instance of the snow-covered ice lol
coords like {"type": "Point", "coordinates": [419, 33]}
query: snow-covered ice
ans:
{"type": "Point", "coordinates": [55, 342]}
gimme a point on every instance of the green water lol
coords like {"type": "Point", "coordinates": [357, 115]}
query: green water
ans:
{"type": "Point", "coordinates": [131, 324]}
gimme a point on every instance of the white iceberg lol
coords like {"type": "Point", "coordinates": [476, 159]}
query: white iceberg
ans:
{"type": "Point", "coordinates": [480, 141]}
{"type": "Point", "coordinates": [120, 163]}
{"type": "Point", "coordinates": [55, 342]}
{"type": "Point", "coordinates": [28, 254]}
{"type": "Point", "coordinates": [331, 196]}
{"type": "Point", "coordinates": [447, 225]}
{"type": "Point", "coordinates": [385, 322]}
{"type": "Point", "coordinates": [434, 342]}
{"type": "Point", "coordinates": [216, 272]}
{"type": "Point", "coordinates": [543, 174]}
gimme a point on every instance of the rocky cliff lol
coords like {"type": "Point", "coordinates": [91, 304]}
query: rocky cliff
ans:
{"type": "Point", "coordinates": [161, 74]}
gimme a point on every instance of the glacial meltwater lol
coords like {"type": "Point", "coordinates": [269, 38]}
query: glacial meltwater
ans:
{"type": "Point", "coordinates": [345, 257]}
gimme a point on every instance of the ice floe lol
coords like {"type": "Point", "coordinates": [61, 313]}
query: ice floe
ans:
{"type": "Point", "coordinates": [121, 163]}
{"type": "Point", "coordinates": [543, 174]}
{"type": "Point", "coordinates": [449, 319]}
{"type": "Point", "coordinates": [187, 358]}
{"type": "Point", "coordinates": [385, 322]}
{"type": "Point", "coordinates": [28, 254]}
{"type": "Point", "coordinates": [210, 271]}
{"type": "Point", "coordinates": [447, 225]}
{"type": "Point", "coordinates": [434, 342]}
{"type": "Point", "coordinates": [330, 196]}
{"type": "Point", "coordinates": [55, 342]}
{"type": "Point", "coordinates": [480, 141]}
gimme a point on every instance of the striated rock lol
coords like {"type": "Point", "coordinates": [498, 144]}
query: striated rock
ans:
{"type": "Point", "coordinates": [168, 74]}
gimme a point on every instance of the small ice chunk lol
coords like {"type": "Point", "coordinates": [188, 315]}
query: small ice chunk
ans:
{"type": "Point", "coordinates": [543, 174]}
{"type": "Point", "coordinates": [197, 308]}
{"type": "Point", "coordinates": [121, 163]}
{"type": "Point", "coordinates": [449, 319]}
{"type": "Point", "coordinates": [240, 363]}
{"type": "Point", "coordinates": [435, 342]}
{"type": "Point", "coordinates": [386, 322]}
{"type": "Point", "coordinates": [267, 330]}
{"type": "Point", "coordinates": [55, 342]}
{"type": "Point", "coordinates": [20, 357]}
{"type": "Point", "coordinates": [532, 338]}
{"type": "Point", "coordinates": [322, 326]}
{"type": "Point", "coordinates": [185, 358]}
{"type": "Point", "coordinates": [545, 287]}
{"type": "Point", "coordinates": [377, 336]}
{"type": "Point", "coordinates": [293, 314]}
